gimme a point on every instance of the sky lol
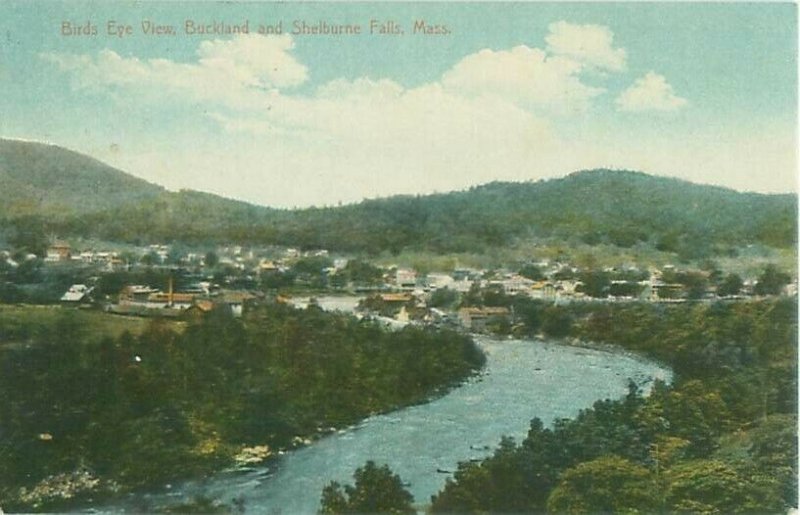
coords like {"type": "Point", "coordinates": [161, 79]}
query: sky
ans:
{"type": "Point", "coordinates": [705, 92]}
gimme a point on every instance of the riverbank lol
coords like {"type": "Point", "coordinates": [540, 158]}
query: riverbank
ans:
{"type": "Point", "coordinates": [139, 411]}
{"type": "Point", "coordinates": [418, 441]}
{"type": "Point", "coordinates": [721, 437]}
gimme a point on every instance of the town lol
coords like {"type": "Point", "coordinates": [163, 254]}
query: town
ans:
{"type": "Point", "coordinates": [174, 281]}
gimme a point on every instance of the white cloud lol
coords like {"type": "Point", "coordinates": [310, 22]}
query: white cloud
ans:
{"type": "Point", "coordinates": [244, 72]}
{"type": "Point", "coordinates": [360, 89]}
{"type": "Point", "coordinates": [484, 119]}
{"type": "Point", "coordinates": [348, 139]}
{"type": "Point", "coordinates": [252, 60]}
{"type": "Point", "coordinates": [650, 93]}
{"type": "Point", "coordinates": [523, 75]}
{"type": "Point", "coordinates": [591, 45]}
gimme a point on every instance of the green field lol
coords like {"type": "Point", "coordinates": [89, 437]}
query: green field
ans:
{"type": "Point", "coordinates": [19, 323]}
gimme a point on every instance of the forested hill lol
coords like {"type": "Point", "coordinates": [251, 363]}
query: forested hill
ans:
{"type": "Point", "coordinates": [599, 206]}
{"type": "Point", "coordinates": [47, 180]}
{"type": "Point", "coordinates": [617, 207]}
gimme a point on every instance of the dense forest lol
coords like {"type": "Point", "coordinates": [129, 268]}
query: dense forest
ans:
{"type": "Point", "coordinates": [90, 414]}
{"type": "Point", "coordinates": [52, 191]}
{"type": "Point", "coordinates": [720, 439]}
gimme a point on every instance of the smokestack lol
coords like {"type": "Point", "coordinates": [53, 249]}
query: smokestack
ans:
{"type": "Point", "coordinates": [171, 294]}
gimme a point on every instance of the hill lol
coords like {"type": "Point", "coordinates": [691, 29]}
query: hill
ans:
{"type": "Point", "coordinates": [622, 208]}
{"type": "Point", "coordinates": [46, 180]}
{"type": "Point", "coordinates": [600, 206]}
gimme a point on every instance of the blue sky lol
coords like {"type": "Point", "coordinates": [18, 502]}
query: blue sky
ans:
{"type": "Point", "coordinates": [518, 91]}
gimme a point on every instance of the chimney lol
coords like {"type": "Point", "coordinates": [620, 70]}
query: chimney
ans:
{"type": "Point", "coordinates": [171, 294]}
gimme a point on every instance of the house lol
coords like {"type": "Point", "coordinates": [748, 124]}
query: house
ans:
{"type": "Point", "coordinates": [405, 279]}
{"type": "Point", "coordinates": [76, 294]}
{"type": "Point", "coordinates": [569, 289]}
{"type": "Point", "coordinates": [170, 300]}
{"type": "Point", "coordinates": [267, 266]}
{"type": "Point", "coordinates": [439, 280]}
{"type": "Point", "coordinates": [515, 284]}
{"type": "Point", "coordinates": [544, 290]}
{"type": "Point", "coordinates": [136, 293]}
{"type": "Point", "coordinates": [236, 301]}
{"type": "Point", "coordinates": [462, 286]}
{"type": "Point", "coordinates": [396, 298]}
{"type": "Point", "coordinates": [198, 309]}
{"type": "Point", "coordinates": [476, 319]}
{"type": "Point", "coordinates": [58, 252]}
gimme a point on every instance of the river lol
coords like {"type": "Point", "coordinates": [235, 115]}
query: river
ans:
{"type": "Point", "coordinates": [424, 443]}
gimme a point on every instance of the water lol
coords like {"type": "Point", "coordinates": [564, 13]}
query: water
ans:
{"type": "Point", "coordinates": [522, 380]}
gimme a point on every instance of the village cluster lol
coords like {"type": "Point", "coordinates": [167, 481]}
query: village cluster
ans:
{"type": "Point", "coordinates": [182, 283]}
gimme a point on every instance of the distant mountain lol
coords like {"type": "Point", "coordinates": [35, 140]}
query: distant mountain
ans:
{"type": "Point", "coordinates": [622, 208]}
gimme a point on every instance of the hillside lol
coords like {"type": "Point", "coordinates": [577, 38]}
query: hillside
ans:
{"type": "Point", "coordinates": [600, 206]}
{"type": "Point", "coordinates": [48, 180]}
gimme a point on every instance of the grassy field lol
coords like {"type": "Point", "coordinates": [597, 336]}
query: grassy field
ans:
{"type": "Point", "coordinates": [19, 322]}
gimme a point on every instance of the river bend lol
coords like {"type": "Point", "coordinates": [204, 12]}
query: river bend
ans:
{"type": "Point", "coordinates": [424, 443]}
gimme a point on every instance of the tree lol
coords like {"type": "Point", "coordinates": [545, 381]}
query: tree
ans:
{"type": "Point", "coordinates": [531, 272]}
{"type": "Point", "coordinates": [376, 490]}
{"type": "Point", "coordinates": [362, 272]}
{"type": "Point", "coordinates": [731, 285]}
{"type": "Point", "coordinates": [29, 235]}
{"type": "Point", "coordinates": [514, 480]}
{"type": "Point", "coordinates": [529, 313]}
{"type": "Point", "coordinates": [473, 297]}
{"type": "Point", "coordinates": [695, 284]}
{"type": "Point", "coordinates": [596, 283]}
{"type": "Point", "coordinates": [771, 281]}
{"type": "Point", "coordinates": [443, 297]}
{"type": "Point", "coordinates": [556, 322]}
{"type": "Point", "coordinates": [150, 259]}
{"type": "Point", "coordinates": [609, 484]}
{"type": "Point", "coordinates": [211, 259]}
{"type": "Point", "coordinates": [713, 486]}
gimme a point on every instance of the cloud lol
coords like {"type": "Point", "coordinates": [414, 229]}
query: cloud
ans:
{"type": "Point", "coordinates": [591, 45]}
{"type": "Point", "coordinates": [251, 60]}
{"type": "Point", "coordinates": [242, 72]}
{"type": "Point", "coordinates": [523, 75]}
{"type": "Point", "coordinates": [352, 138]}
{"type": "Point", "coordinates": [360, 89]}
{"type": "Point", "coordinates": [489, 117]}
{"type": "Point", "coordinates": [650, 93]}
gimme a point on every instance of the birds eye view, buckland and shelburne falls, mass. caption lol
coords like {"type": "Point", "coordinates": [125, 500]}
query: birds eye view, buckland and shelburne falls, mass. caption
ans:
{"type": "Point", "coordinates": [398, 258]}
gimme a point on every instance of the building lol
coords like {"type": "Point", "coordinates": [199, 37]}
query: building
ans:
{"type": "Point", "coordinates": [439, 280]}
{"type": "Point", "coordinates": [515, 285]}
{"type": "Point", "coordinates": [198, 309]}
{"type": "Point", "coordinates": [58, 252]}
{"type": "Point", "coordinates": [396, 298]}
{"type": "Point", "coordinates": [235, 300]}
{"type": "Point", "coordinates": [77, 294]}
{"type": "Point", "coordinates": [543, 290]}
{"type": "Point", "coordinates": [170, 300]}
{"type": "Point", "coordinates": [476, 319]}
{"type": "Point", "coordinates": [136, 293]}
{"type": "Point", "coordinates": [405, 279]}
